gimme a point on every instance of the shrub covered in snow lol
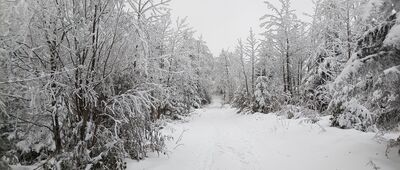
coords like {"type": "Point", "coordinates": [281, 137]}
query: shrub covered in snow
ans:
{"type": "Point", "coordinates": [353, 115]}
{"type": "Point", "coordinates": [266, 97]}
{"type": "Point", "coordinates": [298, 112]}
{"type": "Point", "coordinates": [4, 147]}
{"type": "Point", "coordinates": [242, 100]}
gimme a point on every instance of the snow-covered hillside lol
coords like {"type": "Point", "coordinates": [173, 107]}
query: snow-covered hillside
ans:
{"type": "Point", "coordinates": [218, 138]}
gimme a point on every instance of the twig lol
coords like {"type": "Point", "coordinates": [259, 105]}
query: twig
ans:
{"type": "Point", "coordinates": [181, 136]}
{"type": "Point", "coordinates": [14, 96]}
{"type": "Point", "coordinates": [36, 78]}
{"type": "Point", "coordinates": [373, 165]}
{"type": "Point", "coordinates": [179, 139]}
{"type": "Point", "coordinates": [33, 123]}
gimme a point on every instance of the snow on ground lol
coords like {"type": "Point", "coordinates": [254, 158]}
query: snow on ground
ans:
{"type": "Point", "coordinates": [218, 138]}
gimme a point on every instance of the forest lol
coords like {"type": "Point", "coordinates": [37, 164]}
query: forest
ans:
{"type": "Point", "coordinates": [90, 84]}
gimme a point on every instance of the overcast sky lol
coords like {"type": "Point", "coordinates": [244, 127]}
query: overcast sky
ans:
{"type": "Point", "coordinates": [222, 22]}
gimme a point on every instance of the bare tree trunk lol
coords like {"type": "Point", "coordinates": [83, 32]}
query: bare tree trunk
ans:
{"type": "Point", "coordinates": [52, 44]}
{"type": "Point", "coordinates": [288, 82]}
{"type": "Point", "coordinates": [348, 30]}
{"type": "Point", "coordinates": [228, 86]}
{"type": "Point", "coordinates": [243, 67]}
{"type": "Point", "coordinates": [252, 50]}
{"type": "Point", "coordinates": [299, 75]}
{"type": "Point", "coordinates": [252, 72]}
{"type": "Point", "coordinates": [56, 125]}
{"type": "Point", "coordinates": [284, 76]}
{"type": "Point", "coordinates": [245, 78]}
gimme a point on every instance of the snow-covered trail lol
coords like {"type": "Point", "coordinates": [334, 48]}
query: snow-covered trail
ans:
{"type": "Point", "coordinates": [218, 138]}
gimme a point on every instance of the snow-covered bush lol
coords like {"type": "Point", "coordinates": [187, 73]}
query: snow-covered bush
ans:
{"type": "Point", "coordinates": [124, 128]}
{"type": "Point", "coordinates": [298, 112]}
{"type": "Point", "coordinates": [4, 148]}
{"type": "Point", "coordinates": [183, 97]}
{"type": "Point", "coordinates": [131, 116]}
{"type": "Point", "coordinates": [387, 99]}
{"type": "Point", "coordinates": [241, 100]}
{"type": "Point", "coordinates": [354, 115]}
{"type": "Point", "coordinates": [266, 96]}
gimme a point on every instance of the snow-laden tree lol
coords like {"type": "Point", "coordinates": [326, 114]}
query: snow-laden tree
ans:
{"type": "Point", "coordinates": [278, 56]}
{"type": "Point", "coordinates": [240, 50]}
{"type": "Point", "coordinates": [188, 65]}
{"type": "Point", "coordinates": [85, 82]}
{"type": "Point", "coordinates": [64, 66]}
{"type": "Point", "coordinates": [267, 68]}
{"type": "Point", "coordinates": [334, 29]}
{"type": "Point", "coordinates": [225, 75]}
{"type": "Point", "coordinates": [251, 50]}
{"type": "Point", "coordinates": [284, 28]}
{"type": "Point", "coordinates": [366, 93]}
{"type": "Point", "coordinates": [267, 98]}
{"type": "Point", "coordinates": [243, 96]}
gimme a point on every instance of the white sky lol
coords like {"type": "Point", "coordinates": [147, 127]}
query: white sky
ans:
{"type": "Point", "coordinates": [222, 22]}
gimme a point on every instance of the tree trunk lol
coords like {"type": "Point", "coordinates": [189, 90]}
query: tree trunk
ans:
{"type": "Point", "coordinates": [348, 30]}
{"type": "Point", "coordinates": [228, 86]}
{"type": "Point", "coordinates": [284, 76]}
{"type": "Point", "coordinates": [244, 69]}
{"type": "Point", "coordinates": [288, 82]}
{"type": "Point", "coordinates": [52, 44]}
{"type": "Point", "coordinates": [57, 135]}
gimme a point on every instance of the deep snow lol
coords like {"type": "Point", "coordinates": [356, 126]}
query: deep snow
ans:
{"type": "Point", "coordinates": [216, 137]}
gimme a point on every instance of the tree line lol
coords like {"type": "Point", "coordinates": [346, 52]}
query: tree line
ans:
{"type": "Point", "coordinates": [343, 62]}
{"type": "Point", "coordinates": [84, 83]}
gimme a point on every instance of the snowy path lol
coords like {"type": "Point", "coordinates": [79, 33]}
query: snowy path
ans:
{"type": "Point", "coordinates": [218, 138]}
